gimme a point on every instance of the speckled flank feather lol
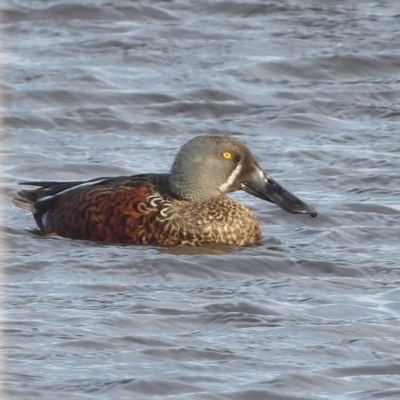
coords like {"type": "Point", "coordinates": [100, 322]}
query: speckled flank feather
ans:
{"type": "Point", "coordinates": [138, 210]}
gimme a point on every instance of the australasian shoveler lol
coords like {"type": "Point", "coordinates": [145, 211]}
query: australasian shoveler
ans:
{"type": "Point", "coordinates": [188, 206]}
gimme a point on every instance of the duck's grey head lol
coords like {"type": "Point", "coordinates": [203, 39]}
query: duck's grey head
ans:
{"type": "Point", "coordinates": [209, 166]}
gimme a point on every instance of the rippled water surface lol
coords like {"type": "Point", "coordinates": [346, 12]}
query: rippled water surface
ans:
{"type": "Point", "coordinates": [101, 88]}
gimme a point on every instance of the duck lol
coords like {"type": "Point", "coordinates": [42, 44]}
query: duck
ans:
{"type": "Point", "coordinates": [187, 206]}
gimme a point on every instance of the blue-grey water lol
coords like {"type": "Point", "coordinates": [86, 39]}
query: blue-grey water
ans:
{"type": "Point", "coordinates": [100, 88]}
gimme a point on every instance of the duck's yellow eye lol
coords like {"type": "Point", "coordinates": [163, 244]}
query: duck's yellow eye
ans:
{"type": "Point", "coordinates": [227, 155]}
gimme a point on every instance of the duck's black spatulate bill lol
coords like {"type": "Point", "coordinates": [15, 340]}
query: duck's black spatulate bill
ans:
{"type": "Point", "coordinates": [263, 186]}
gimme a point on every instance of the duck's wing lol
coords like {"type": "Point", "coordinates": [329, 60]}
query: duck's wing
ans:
{"type": "Point", "coordinates": [47, 193]}
{"type": "Point", "coordinates": [59, 205]}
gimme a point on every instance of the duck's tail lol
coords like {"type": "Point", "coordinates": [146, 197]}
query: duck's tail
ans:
{"type": "Point", "coordinates": [25, 199]}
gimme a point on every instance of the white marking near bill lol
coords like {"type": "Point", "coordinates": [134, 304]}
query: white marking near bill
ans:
{"type": "Point", "coordinates": [229, 182]}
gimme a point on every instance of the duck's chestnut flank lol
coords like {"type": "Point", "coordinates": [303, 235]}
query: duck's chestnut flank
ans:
{"type": "Point", "coordinates": [188, 206]}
